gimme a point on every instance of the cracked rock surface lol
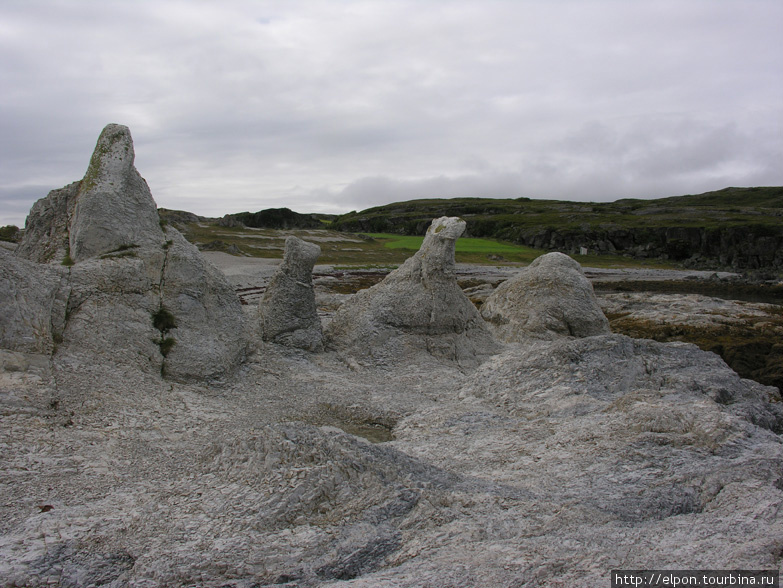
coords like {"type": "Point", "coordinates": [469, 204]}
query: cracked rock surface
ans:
{"type": "Point", "coordinates": [123, 270]}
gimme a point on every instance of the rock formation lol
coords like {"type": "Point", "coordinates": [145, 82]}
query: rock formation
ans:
{"type": "Point", "coordinates": [110, 209]}
{"type": "Point", "coordinates": [114, 208]}
{"type": "Point", "coordinates": [287, 312]}
{"type": "Point", "coordinates": [132, 293]}
{"type": "Point", "coordinates": [46, 238]}
{"type": "Point", "coordinates": [417, 307]}
{"type": "Point", "coordinates": [550, 298]}
{"type": "Point", "coordinates": [33, 301]}
{"type": "Point", "coordinates": [561, 457]}
{"type": "Point", "coordinates": [588, 374]}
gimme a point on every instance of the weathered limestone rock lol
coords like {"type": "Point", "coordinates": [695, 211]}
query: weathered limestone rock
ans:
{"type": "Point", "coordinates": [32, 304]}
{"type": "Point", "coordinates": [110, 209]}
{"type": "Point", "coordinates": [418, 306]}
{"type": "Point", "coordinates": [159, 309]}
{"type": "Point", "coordinates": [586, 375]}
{"type": "Point", "coordinates": [110, 307]}
{"type": "Point", "coordinates": [114, 208]}
{"type": "Point", "coordinates": [548, 299]}
{"type": "Point", "coordinates": [46, 229]}
{"type": "Point", "coordinates": [211, 333]}
{"type": "Point", "coordinates": [135, 296]}
{"type": "Point", "coordinates": [287, 310]}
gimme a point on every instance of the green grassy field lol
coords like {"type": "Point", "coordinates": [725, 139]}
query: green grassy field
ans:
{"type": "Point", "coordinates": [468, 250]}
{"type": "Point", "coordinates": [490, 251]}
{"type": "Point", "coordinates": [377, 249]}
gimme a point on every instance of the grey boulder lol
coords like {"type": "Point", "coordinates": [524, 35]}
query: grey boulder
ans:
{"type": "Point", "coordinates": [32, 304]}
{"type": "Point", "coordinates": [114, 208]}
{"type": "Point", "coordinates": [46, 230]}
{"type": "Point", "coordinates": [550, 298]}
{"type": "Point", "coordinates": [211, 336]}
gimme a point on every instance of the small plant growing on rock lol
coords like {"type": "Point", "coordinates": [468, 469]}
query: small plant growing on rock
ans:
{"type": "Point", "coordinates": [164, 321]}
{"type": "Point", "coordinates": [165, 344]}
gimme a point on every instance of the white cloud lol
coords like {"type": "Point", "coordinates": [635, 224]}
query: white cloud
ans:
{"type": "Point", "coordinates": [323, 105]}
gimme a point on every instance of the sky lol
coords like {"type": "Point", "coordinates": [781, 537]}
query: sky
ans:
{"type": "Point", "coordinates": [339, 105]}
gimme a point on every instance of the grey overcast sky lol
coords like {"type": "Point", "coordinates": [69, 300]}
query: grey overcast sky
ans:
{"type": "Point", "coordinates": [336, 105]}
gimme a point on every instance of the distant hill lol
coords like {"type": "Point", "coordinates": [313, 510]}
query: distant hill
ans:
{"type": "Point", "coordinates": [739, 228]}
{"type": "Point", "coordinates": [270, 218]}
{"type": "Point", "coordinates": [277, 218]}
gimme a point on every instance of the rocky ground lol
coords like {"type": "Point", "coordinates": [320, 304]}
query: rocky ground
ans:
{"type": "Point", "coordinates": [735, 322]}
{"type": "Point", "coordinates": [417, 444]}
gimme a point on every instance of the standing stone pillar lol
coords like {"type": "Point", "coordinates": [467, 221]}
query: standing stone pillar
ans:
{"type": "Point", "coordinates": [287, 311]}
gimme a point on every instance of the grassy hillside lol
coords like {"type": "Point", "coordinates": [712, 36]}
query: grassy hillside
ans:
{"type": "Point", "coordinates": [731, 228]}
{"type": "Point", "coordinates": [371, 250]}
{"type": "Point", "coordinates": [728, 207]}
{"type": "Point", "coordinates": [734, 228]}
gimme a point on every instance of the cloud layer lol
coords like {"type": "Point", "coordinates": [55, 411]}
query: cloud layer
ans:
{"type": "Point", "coordinates": [338, 105]}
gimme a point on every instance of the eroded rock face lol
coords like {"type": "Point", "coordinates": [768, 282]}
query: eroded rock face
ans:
{"type": "Point", "coordinates": [111, 303]}
{"type": "Point", "coordinates": [109, 210]}
{"type": "Point", "coordinates": [46, 229]}
{"type": "Point", "coordinates": [586, 375]}
{"type": "Point", "coordinates": [550, 298]}
{"type": "Point", "coordinates": [211, 333]}
{"type": "Point", "coordinates": [131, 294]}
{"type": "Point", "coordinates": [114, 207]}
{"type": "Point", "coordinates": [32, 304]}
{"type": "Point", "coordinates": [418, 306]}
{"type": "Point", "coordinates": [287, 311]}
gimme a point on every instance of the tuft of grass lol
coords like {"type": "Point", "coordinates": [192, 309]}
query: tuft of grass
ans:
{"type": "Point", "coordinates": [67, 260]}
{"type": "Point", "coordinates": [165, 344]}
{"type": "Point", "coordinates": [163, 320]}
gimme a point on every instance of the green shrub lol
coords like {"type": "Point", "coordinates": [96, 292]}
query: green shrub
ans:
{"type": "Point", "coordinates": [10, 233]}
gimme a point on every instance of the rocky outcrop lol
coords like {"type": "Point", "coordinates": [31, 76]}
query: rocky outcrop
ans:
{"type": "Point", "coordinates": [110, 209]}
{"type": "Point", "coordinates": [585, 375]}
{"type": "Point", "coordinates": [553, 461]}
{"type": "Point", "coordinates": [111, 304]}
{"type": "Point", "coordinates": [273, 218]}
{"type": "Point", "coordinates": [287, 311]}
{"type": "Point", "coordinates": [114, 207]}
{"type": "Point", "coordinates": [132, 294]}
{"type": "Point", "coordinates": [32, 305]}
{"type": "Point", "coordinates": [549, 298]}
{"type": "Point", "coordinates": [417, 307]}
{"type": "Point", "coordinates": [46, 237]}
{"type": "Point", "coordinates": [747, 335]}
{"type": "Point", "coordinates": [736, 247]}
{"type": "Point", "coordinates": [210, 332]}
